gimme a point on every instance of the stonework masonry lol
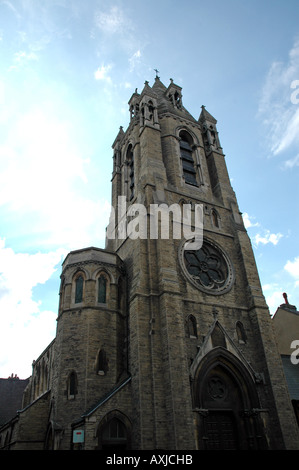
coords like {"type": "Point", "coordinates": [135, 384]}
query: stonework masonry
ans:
{"type": "Point", "coordinates": [157, 346]}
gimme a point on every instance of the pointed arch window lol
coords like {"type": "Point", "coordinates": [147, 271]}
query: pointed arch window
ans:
{"type": "Point", "coordinates": [130, 160]}
{"type": "Point", "coordinates": [217, 336]}
{"type": "Point", "coordinates": [215, 218]}
{"type": "Point", "coordinates": [187, 157]}
{"type": "Point", "coordinates": [176, 98]}
{"type": "Point", "coordinates": [241, 333]}
{"type": "Point", "coordinates": [192, 328]}
{"type": "Point", "coordinates": [102, 289]}
{"type": "Point", "coordinates": [72, 386]}
{"type": "Point", "coordinates": [114, 434]}
{"type": "Point", "coordinates": [102, 363]}
{"type": "Point", "coordinates": [79, 289]}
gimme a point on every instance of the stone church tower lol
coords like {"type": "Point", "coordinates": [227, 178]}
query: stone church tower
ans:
{"type": "Point", "coordinates": [160, 345]}
{"type": "Point", "coordinates": [203, 361]}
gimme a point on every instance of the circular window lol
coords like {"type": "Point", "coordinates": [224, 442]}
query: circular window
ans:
{"type": "Point", "coordinates": [208, 268]}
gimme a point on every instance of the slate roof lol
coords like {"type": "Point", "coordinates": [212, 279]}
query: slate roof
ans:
{"type": "Point", "coordinates": [11, 394]}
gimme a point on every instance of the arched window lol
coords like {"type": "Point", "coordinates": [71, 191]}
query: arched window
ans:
{"type": "Point", "coordinates": [240, 333]}
{"type": "Point", "coordinates": [61, 294]}
{"type": "Point", "coordinates": [130, 160]}
{"type": "Point", "coordinates": [72, 386]}
{"type": "Point", "coordinates": [102, 289]}
{"type": "Point", "coordinates": [102, 363]}
{"type": "Point", "coordinates": [79, 289]}
{"type": "Point", "coordinates": [151, 110]}
{"type": "Point", "coordinates": [189, 171]}
{"type": "Point", "coordinates": [217, 336]}
{"type": "Point", "coordinates": [192, 329]}
{"type": "Point", "coordinates": [215, 218]}
{"type": "Point", "coordinates": [114, 435]}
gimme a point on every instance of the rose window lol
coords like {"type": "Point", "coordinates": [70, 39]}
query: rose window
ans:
{"type": "Point", "coordinates": [208, 268]}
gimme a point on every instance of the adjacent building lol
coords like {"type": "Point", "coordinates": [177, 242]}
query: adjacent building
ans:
{"type": "Point", "coordinates": [286, 326]}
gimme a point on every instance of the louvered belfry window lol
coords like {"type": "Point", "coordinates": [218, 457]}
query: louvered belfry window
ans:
{"type": "Point", "coordinates": [189, 171]}
{"type": "Point", "coordinates": [130, 159]}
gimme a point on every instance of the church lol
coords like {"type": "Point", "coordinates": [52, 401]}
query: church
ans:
{"type": "Point", "coordinates": [161, 343]}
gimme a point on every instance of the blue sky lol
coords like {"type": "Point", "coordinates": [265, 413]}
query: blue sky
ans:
{"type": "Point", "coordinates": [67, 71]}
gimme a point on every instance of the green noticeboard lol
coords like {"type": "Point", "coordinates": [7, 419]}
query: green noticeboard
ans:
{"type": "Point", "coordinates": [78, 436]}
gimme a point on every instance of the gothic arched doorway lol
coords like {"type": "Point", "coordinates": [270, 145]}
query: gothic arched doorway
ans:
{"type": "Point", "coordinates": [226, 404]}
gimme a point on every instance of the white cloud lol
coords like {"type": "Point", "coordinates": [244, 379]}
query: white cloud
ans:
{"type": "Point", "coordinates": [258, 238]}
{"type": "Point", "coordinates": [102, 73]}
{"type": "Point", "coordinates": [112, 22]}
{"type": "Point", "coordinates": [26, 329]}
{"type": "Point", "coordinates": [22, 55]}
{"type": "Point", "coordinates": [22, 58]}
{"type": "Point", "coordinates": [292, 162]}
{"type": "Point", "coordinates": [11, 8]}
{"type": "Point", "coordinates": [134, 60]}
{"type": "Point", "coordinates": [44, 189]}
{"type": "Point", "coordinates": [248, 221]}
{"type": "Point", "coordinates": [43, 182]}
{"type": "Point", "coordinates": [290, 126]}
{"type": "Point", "coordinates": [268, 237]}
{"type": "Point", "coordinates": [31, 160]}
{"type": "Point", "coordinates": [277, 109]}
{"type": "Point", "coordinates": [117, 26]}
{"type": "Point", "coordinates": [93, 217]}
{"type": "Point", "coordinates": [292, 267]}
